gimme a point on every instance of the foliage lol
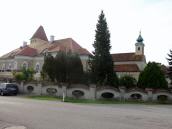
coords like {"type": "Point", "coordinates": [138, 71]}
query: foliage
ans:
{"type": "Point", "coordinates": [101, 64]}
{"type": "Point", "coordinates": [48, 67]}
{"type": "Point", "coordinates": [24, 75]}
{"type": "Point", "coordinates": [66, 67]}
{"type": "Point", "coordinates": [170, 65]}
{"type": "Point", "coordinates": [127, 81]}
{"type": "Point", "coordinates": [152, 77]}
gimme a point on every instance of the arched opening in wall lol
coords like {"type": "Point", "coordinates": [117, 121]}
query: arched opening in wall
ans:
{"type": "Point", "coordinates": [51, 91]}
{"type": "Point", "coordinates": [162, 98]}
{"type": "Point", "coordinates": [136, 96]}
{"type": "Point", "coordinates": [30, 89]}
{"type": "Point", "coordinates": [78, 93]}
{"type": "Point", "coordinates": [107, 95]}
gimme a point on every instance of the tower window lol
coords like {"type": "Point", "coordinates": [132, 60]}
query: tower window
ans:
{"type": "Point", "coordinates": [138, 48]}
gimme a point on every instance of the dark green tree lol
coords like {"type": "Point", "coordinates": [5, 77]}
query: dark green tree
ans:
{"type": "Point", "coordinates": [170, 65]}
{"type": "Point", "coordinates": [48, 67]}
{"type": "Point", "coordinates": [128, 81]}
{"type": "Point", "coordinates": [101, 63]}
{"type": "Point", "coordinates": [74, 68]}
{"type": "Point", "coordinates": [68, 68]}
{"type": "Point", "coordinates": [152, 77]}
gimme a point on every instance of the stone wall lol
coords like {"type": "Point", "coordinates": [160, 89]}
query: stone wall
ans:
{"type": "Point", "coordinates": [93, 92]}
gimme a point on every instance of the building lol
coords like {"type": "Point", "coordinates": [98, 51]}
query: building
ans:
{"type": "Point", "coordinates": [32, 54]}
{"type": "Point", "coordinates": [130, 63]}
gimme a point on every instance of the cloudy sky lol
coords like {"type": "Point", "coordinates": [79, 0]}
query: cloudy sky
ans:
{"type": "Point", "coordinates": [77, 19]}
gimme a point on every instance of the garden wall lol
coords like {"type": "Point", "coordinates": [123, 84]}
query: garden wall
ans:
{"type": "Point", "coordinates": [92, 92]}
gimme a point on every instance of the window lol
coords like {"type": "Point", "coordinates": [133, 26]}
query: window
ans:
{"type": "Point", "coordinates": [25, 65]}
{"type": "Point", "coordinates": [138, 48]}
{"type": "Point", "coordinates": [15, 65]}
{"type": "Point", "coordinates": [9, 67]}
{"type": "Point", "coordinates": [37, 68]}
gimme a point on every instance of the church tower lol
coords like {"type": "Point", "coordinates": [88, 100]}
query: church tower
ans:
{"type": "Point", "coordinates": [38, 38]}
{"type": "Point", "coordinates": [139, 46]}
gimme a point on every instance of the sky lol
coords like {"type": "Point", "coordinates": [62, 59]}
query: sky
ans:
{"type": "Point", "coordinates": [77, 19]}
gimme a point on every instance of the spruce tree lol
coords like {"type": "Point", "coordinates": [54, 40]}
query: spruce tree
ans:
{"type": "Point", "coordinates": [170, 65]}
{"type": "Point", "coordinates": [101, 63]}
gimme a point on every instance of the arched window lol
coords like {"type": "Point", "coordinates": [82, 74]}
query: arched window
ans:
{"type": "Point", "coordinates": [3, 67]}
{"type": "Point", "coordinates": [138, 48]}
{"type": "Point", "coordinates": [37, 67]}
{"type": "Point", "coordinates": [25, 65]}
{"type": "Point", "coordinates": [9, 67]}
{"type": "Point", "coordinates": [15, 65]}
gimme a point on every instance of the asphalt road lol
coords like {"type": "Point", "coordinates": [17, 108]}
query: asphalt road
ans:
{"type": "Point", "coordinates": [39, 114]}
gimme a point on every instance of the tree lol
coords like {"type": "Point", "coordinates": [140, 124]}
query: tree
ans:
{"type": "Point", "coordinates": [152, 77]}
{"type": "Point", "coordinates": [170, 65]}
{"type": "Point", "coordinates": [127, 81]}
{"type": "Point", "coordinates": [66, 67]}
{"type": "Point", "coordinates": [74, 68]}
{"type": "Point", "coordinates": [24, 75]}
{"type": "Point", "coordinates": [101, 63]}
{"type": "Point", "coordinates": [48, 67]}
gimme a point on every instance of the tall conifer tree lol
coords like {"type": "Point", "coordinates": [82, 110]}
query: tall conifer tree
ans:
{"type": "Point", "coordinates": [170, 65]}
{"type": "Point", "coordinates": [101, 63]}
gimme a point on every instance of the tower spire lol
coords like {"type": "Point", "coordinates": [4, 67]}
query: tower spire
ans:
{"type": "Point", "coordinates": [139, 45]}
{"type": "Point", "coordinates": [40, 34]}
{"type": "Point", "coordinates": [139, 39]}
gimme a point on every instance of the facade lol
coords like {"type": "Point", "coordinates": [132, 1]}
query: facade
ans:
{"type": "Point", "coordinates": [32, 54]}
{"type": "Point", "coordinates": [130, 63]}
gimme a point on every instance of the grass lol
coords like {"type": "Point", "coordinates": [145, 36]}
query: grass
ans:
{"type": "Point", "coordinates": [89, 101]}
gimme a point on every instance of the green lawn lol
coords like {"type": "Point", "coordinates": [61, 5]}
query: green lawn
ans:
{"type": "Point", "coordinates": [89, 101]}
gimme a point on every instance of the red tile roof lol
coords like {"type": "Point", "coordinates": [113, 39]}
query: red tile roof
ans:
{"type": "Point", "coordinates": [126, 68]}
{"type": "Point", "coordinates": [27, 51]}
{"type": "Point", "coordinates": [68, 45]}
{"type": "Point", "coordinates": [40, 34]}
{"type": "Point", "coordinates": [123, 57]}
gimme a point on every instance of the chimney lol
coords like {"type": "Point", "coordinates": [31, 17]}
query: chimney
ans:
{"type": "Point", "coordinates": [24, 43]}
{"type": "Point", "coordinates": [51, 38]}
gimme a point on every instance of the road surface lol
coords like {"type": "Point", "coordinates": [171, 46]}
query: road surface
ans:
{"type": "Point", "coordinates": [40, 114]}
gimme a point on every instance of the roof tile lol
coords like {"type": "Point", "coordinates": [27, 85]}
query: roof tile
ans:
{"type": "Point", "coordinates": [126, 68]}
{"type": "Point", "coordinates": [123, 57]}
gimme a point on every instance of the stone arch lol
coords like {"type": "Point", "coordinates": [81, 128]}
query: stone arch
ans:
{"type": "Point", "coordinates": [50, 90]}
{"type": "Point", "coordinates": [81, 93]}
{"type": "Point", "coordinates": [136, 95]}
{"type": "Point", "coordinates": [29, 88]}
{"type": "Point", "coordinates": [108, 94]}
{"type": "Point", "coordinates": [164, 96]}
{"type": "Point", "coordinates": [77, 93]}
